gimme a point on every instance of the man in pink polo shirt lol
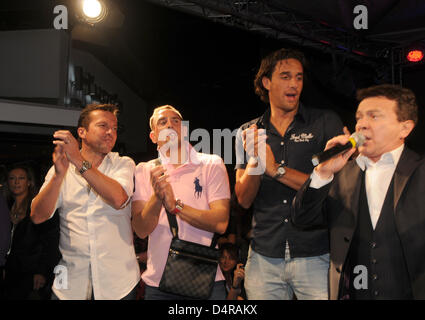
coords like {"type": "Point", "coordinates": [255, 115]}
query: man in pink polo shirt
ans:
{"type": "Point", "coordinates": [192, 185]}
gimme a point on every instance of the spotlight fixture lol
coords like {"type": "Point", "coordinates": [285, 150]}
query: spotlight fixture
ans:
{"type": "Point", "coordinates": [93, 11]}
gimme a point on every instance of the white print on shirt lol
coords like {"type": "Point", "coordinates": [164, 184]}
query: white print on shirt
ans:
{"type": "Point", "coordinates": [303, 137]}
{"type": "Point", "coordinates": [61, 279]}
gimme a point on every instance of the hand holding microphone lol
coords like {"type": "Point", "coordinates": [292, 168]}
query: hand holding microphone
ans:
{"type": "Point", "coordinates": [336, 154]}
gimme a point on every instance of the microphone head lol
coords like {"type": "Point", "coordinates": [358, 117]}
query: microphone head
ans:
{"type": "Point", "coordinates": [358, 138]}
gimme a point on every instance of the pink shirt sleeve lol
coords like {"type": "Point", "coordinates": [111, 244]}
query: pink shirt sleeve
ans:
{"type": "Point", "coordinates": [218, 181]}
{"type": "Point", "coordinates": [142, 183]}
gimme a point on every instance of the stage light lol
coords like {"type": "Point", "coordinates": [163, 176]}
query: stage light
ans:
{"type": "Point", "coordinates": [415, 55]}
{"type": "Point", "coordinates": [92, 8]}
{"type": "Point", "coordinates": [93, 11]}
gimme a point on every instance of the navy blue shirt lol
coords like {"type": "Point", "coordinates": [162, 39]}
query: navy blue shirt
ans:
{"type": "Point", "coordinates": [272, 227]}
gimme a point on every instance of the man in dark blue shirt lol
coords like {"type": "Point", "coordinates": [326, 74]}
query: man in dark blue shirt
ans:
{"type": "Point", "coordinates": [282, 259]}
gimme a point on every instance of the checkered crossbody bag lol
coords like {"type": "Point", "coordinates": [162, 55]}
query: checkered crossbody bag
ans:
{"type": "Point", "coordinates": [191, 267]}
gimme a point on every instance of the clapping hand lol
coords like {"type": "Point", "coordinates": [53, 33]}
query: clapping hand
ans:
{"type": "Point", "coordinates": [69, 145]}
{"type": "Point", "coordinates": [162, 187]}
{"type": "Point", "coordinates": [60, 161]}
{"type": "Point", "coordinates": [253, 140]}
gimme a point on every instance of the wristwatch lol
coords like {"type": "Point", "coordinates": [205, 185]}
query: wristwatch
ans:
{"type": "Point", "coordinates": [178, 206]}
{"type": "Point", "coordinates": [280, 171]}
{"type": "Point", "coordinates": [86, 166]}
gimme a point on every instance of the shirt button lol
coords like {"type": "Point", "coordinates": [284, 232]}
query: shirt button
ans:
{"type": "Point", "coordinates": [286, 220]}
{"type": "Point", "coordinates": [285, 201]}
{"type": "Point", "coordinates": [375, 277]}
{"type": "Point", "coordinates": [282, 143]}
{"type": "Point", "coordinates": [374, 261]}
{"type": "Point", "coordinates": [373, 245]}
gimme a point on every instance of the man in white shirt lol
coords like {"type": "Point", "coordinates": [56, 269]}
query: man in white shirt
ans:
{"type": "Point", "coordinates": [374, 205]}
{"type": "Point", "coordinates": [91, 187]}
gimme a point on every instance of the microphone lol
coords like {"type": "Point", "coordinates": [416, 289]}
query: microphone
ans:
{"type": "Point", "coordinates": [356, 140]}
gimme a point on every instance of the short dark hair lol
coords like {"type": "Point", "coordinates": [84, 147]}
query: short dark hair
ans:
{"type": "Point", "coordinates": [84, 119]}
{"type": "Point", "coordinates": [407, 108]}
{"type": "Point", "coordinates": [268, 65]}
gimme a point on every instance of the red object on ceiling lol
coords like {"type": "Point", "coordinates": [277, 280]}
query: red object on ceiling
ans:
{"type": "Point", "coordinates": [415, 55]}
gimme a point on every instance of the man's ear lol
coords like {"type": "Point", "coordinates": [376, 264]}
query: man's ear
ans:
{"type": "Point", "coordinates": [266, 82]}
{"type": "Point", "coordinates": [152, 136]}
{"type": "Point", "coordinates": [81, 131]}
{"type": "Point", "coordinates": [406, 128]}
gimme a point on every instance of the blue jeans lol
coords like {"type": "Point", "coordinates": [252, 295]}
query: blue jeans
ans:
{"type": "Point", "coordinates": [153, 293]}
{"type": "Point", "coordinates": [278, 279]}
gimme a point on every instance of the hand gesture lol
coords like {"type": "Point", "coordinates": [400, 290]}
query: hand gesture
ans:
{"type": "Point", "coordinates": [69, 144]}
{"type": "Point", "coordinates": [158, 179]}
{"type": "Point", "coordinates": [60, 161]}
{"type": "Point", "coordinates": [239, 275]}
{"type": "Point", "coordinates": [326, 169]}
{"type": "Point", "coordinates": [169, 198]}
{"type": "Point", "coordinates": [254, 143]}
{"type": "Point", "coordinates": [162, 187]}
{"type": "Point", "coordinates": [253, 140]}
{"type": "Point", "coordinates": [269, 162]}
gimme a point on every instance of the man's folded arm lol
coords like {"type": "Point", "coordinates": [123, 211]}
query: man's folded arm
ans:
{"type": "Point", "coordinates": [309, 205]}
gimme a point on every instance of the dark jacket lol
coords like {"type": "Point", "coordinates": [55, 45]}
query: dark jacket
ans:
{"type": "Point", "coordinates": [35, 250]}
{"type": "Point", "coordinates": [337, 205]}
{"type": "Point", "coordinates": [4, 230]}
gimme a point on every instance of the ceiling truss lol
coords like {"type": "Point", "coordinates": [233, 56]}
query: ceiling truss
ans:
{"type": "Point", "coordinates": [273, 20]}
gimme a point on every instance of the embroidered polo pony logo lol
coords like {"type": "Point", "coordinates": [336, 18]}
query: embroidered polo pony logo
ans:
{"type": "Point", "coordinates": [198, 188]}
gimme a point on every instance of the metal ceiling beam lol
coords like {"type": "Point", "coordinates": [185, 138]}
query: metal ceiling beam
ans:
{"type": "Point", "coordinates": [273, 20]}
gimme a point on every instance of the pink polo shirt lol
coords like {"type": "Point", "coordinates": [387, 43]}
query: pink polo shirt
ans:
{"type": "Point", "coordinates": [200, 181]}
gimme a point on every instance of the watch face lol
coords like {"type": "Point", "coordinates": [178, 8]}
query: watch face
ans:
{"type": "Point", "coordinates": [281, 170]}
{"type": "Point", "coordinates": [86, 164]}
{"type": "Point", "coordinates": [179, 204]}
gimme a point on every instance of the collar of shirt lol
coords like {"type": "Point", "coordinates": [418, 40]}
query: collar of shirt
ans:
{"type": "Point", "coordinates": [193, 159]}
{"type": "Point", "coordinates": [391, 157]}
{"type": "Point", "coordinates": [264, 120]}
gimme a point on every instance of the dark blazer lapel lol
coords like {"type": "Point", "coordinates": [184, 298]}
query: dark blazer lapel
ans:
{"type": "Point", "coordinates": [408, 162]}
{"type": "Point", "coordinates": [351, 180]}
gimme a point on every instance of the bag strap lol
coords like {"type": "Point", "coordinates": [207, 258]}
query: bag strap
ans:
{"type": "Point", "coordinates": [172, 221]}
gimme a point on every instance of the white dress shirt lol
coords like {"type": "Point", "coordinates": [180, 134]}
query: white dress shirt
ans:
{"type": "Point", "coordinates": [377, 180]}
{"type": "Point", "coordinates": [96, 241]}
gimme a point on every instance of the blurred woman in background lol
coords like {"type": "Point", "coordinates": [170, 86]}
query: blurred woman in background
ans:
{"type": "Point", "coordinates": [34, 248]}
{"type": "Point", "coordinates": [233, 272]}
